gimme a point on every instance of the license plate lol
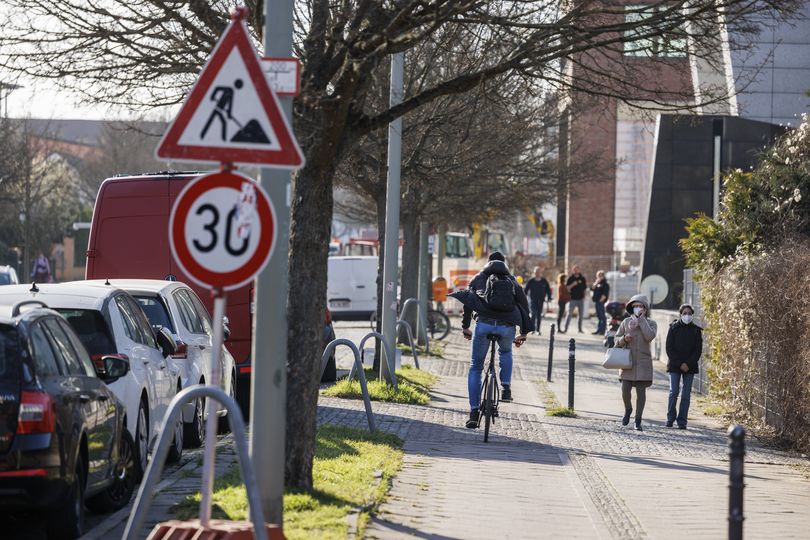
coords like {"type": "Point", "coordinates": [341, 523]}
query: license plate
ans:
{"type": "Point", "coordinates": [338, 304]}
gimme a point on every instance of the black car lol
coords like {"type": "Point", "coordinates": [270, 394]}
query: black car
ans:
{"type": "Point", "coordinates": [63, 441]}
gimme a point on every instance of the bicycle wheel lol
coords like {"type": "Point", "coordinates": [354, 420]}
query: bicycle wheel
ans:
{"type": "Point", "coordinates": [488, 407]}
{"type": "Point", "coordinates": [438, 324]}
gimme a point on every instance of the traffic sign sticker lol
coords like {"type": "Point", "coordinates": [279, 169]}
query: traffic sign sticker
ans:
{"type": "Point", "coordinates": [222, 230]}
{"type": "Point", "coordinates": [231, 114]}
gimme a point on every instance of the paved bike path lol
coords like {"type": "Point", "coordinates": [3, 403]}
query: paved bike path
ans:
{"type": "Point", "coordinates": [515, 486]}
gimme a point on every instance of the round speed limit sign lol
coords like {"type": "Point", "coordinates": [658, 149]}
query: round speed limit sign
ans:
{"type": "Point", "coordinates": [222, 229]}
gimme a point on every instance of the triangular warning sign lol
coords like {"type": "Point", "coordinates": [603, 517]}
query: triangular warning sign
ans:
{"type": "Point", "coordinates": [231, 114]}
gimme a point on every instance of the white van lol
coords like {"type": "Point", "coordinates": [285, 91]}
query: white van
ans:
{"type": "Point", "coordinates": [351, 290]}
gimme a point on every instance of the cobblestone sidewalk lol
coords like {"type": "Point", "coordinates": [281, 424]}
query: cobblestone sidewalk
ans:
{"type": "Point", "coordinates": [585, 477]}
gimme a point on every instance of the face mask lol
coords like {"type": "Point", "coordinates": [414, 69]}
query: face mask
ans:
{"type": "Point", "coordinates": [637, 311]}
{"type": "Point", "coordinates": [686, 319]}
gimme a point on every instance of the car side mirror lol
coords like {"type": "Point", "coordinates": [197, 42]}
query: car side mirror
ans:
{"type": "Point", "coordinates": [112, 368]}
{"type": "Point", "coordinates": [226, 328]}
{"type": "Point", "coordinates": [166, 342]}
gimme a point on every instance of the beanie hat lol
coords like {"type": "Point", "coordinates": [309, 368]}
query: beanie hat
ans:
{"type": "Point", "coordinates": [683, 306]}
{"type": "Point", "coordinates": [497, 256]}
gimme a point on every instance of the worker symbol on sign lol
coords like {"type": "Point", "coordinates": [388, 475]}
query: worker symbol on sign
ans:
{"type": "Point", "coordinates": [250, 132]}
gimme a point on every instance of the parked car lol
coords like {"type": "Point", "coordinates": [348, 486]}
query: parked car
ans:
{"type": "Point", "coordinates": [110, 322]}
{"type": "Point", "coordinates": [8, 276]}
{"type": "Point", "coordinates": [173, 305]}
{"type": "Point", "coordinates": [63, 436]}
{"type": "Point", "coordinates": [129, 239]}
{"type": "Point", "coordinates": [351, 290]}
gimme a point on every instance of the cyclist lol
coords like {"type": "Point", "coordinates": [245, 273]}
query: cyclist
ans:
{"type": "Point", "coordinates": [500, 305]}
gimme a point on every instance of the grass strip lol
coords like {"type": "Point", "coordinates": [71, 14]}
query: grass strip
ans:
{"type": "Point", "coordinates": [437, 349]}
{"type": "Point", "coordinates": [552, 405]}
{"type": "Point", "coordinates": [413, 387]}
{"type": "Point", "coordinates": [352, 472]}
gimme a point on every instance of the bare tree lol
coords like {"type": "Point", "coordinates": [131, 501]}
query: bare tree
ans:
{"type": "Point", "coordinates": [123, 148]}
{"type": "Point", "coordinates": [39, 186]}
{"type": "Point", "coordinates": [148, 51]}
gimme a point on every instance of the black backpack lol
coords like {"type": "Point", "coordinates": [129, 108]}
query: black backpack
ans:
{"type": "Point", "coordinates": [500, 293]}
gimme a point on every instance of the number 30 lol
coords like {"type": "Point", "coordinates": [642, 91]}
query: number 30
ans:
{"type": "Point", "coordinates": [212, 231]}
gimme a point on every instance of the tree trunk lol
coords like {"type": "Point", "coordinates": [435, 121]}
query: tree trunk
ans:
{"type": "Point", "coordinates": [410, 268]}
{"type": "Point", "coordinates": [310, 227]}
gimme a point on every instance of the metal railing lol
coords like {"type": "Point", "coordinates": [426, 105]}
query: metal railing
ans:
{"type": "Point", "coordinates": [153, 471]}
{"type": "Point", "coordinates": [408, 330]}
{"type": "Point", "coordinates": [327, 352]}
{"type": "Point", "coordinates": [389, 357]}
{"type": "Point", "coordinates": [421, 320]}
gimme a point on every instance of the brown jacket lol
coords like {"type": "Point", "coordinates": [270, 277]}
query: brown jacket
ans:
{"type": "Point", "coordinates": [642, 335]}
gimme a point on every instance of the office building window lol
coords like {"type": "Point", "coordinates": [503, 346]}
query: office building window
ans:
{"type": "Point", "coordinates": [647, 42]}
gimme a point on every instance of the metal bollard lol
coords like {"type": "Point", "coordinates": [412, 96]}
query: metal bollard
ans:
{"type": "Point", "coordinates": [550, 351]}
{"type": "Point", "coordinates": [736, 455]}
{"type": "Point", "coordinates": [572, 345]}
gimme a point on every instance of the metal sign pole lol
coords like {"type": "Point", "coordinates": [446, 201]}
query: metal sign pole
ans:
{"type": "Point", "coordinates": [389, 305]}
{"type": "Point", "coordinates": [211, 407]}
{"type": "Point", "coordinates": [268, 390]}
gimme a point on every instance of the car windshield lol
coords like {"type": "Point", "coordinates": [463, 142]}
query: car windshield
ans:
{"type": "Point", "coordinates": [5, 279]}
{"type": "Point", "coordinates": [155, 311]}
{"type": "Point", "coordinates": [9, 354]}
{"type": "Point", "coordinates": [92, 330]}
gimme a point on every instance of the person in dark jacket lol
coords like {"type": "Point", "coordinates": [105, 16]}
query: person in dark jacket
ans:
{"type": "Point", "coordinates": [489, 321]}
{"type": "Point", "coordinates": [539, 291]}
{"type": "Point", "coordinates": [576, 285]}
{"type": "Point", "coordinates": [684, 347]}
{"type": "Point", "coordinates": [601, 292]}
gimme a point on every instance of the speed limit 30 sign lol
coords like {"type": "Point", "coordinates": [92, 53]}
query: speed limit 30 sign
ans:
{"type": "Point", "coordinates": [222, 230]}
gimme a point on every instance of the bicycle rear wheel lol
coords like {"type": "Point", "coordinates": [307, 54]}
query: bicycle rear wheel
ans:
{"type": "Point", "coordinates": [489, 406]}
{"type": "Point", "coordinates": [438, 324]}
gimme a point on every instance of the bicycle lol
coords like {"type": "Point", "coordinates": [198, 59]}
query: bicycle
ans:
{"type": "Point", "coordinates": [490, 392]}
{"type": "Point", "coordinates": [438, 323]}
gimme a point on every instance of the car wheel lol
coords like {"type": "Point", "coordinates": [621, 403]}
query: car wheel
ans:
{"type": "Point", "coordinates": [141, 441]}
{"type": "Point", "coordinates": [194, 431]}
{"type": "Point", "coordinates": [67, 522]}
{"type": "Point", "coordinates": [176, 449]}
{"type": "Point", "coordinates": [120, 492]}
{"type": "Point", "coordinates": [224, 425]}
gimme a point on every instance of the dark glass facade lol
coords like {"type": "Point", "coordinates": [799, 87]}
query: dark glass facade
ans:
{"type": "Point", "coordinates": [682, 185]}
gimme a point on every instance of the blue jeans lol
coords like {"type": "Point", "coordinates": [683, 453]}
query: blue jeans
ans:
{"type": "Point", "coordinates": [537, 315]}
{"type": "Point", "coordinates": [600, 314]}
{"type": "Point", "coordinates": [674, 389]}
{"type": "Point", "coordinates": [480, 350]}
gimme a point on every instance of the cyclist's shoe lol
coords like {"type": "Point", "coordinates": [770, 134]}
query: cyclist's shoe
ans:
{"type": "Point", "coordinates": [506, 394]}
{"type": "Point", "coordinates": [472, 423]}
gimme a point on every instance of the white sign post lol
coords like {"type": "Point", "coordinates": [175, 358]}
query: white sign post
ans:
{"type": "Point", "coordinates": [221, 231]}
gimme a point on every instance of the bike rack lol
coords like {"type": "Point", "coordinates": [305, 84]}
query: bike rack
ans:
{"type": "Point", "coordinates": [421, 320]}
{"type": "Point", "coordinates": [389, 356]}
{"type": "Point", "coordinates": [407, 326]}
{"type": "Point", "coordinates": [153, 471]}
{"type": "Point", "coordinates": [362, 376]}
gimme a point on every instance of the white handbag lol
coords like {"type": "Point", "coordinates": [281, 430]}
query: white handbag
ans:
{"type": "Point", "coordinates": [617, 358]}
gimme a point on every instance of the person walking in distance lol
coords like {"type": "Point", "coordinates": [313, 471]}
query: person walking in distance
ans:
{"type": "Point", "coordinates": [601, 292]}
{"type": "Point", "coordinates": [500, 305]}
{"type": "Point", "coordinates": [636, 333]}
{"type": "Point", "coordinates": [684, 347]}
{"type": "Point", "coordinates": [41, 269]}
{"type": "Point", "coordinates": [538, 291]}
{"type": "Point", "coordinates": [563, 297]}
{"type": "Point", "coordinates": [577, 286]}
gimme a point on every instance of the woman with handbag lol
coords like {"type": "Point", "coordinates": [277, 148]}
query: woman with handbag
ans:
{"type": "Point", "coordinates": [636, 333]}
